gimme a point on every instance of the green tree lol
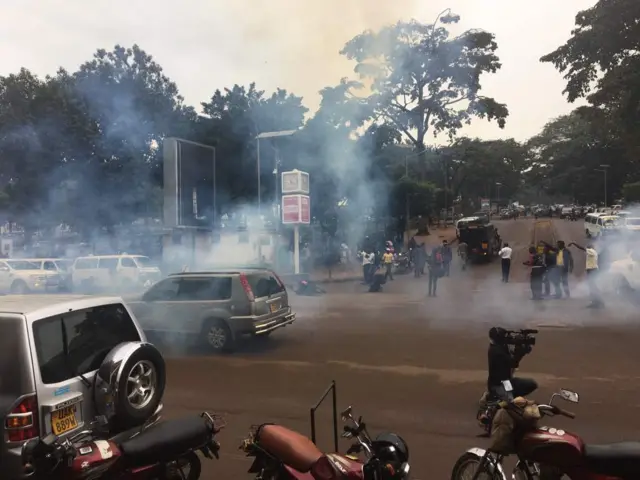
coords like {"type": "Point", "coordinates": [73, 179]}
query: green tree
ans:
{"type": "Point", "coordinates": [234, 117]}
{"type": "Point", "coordinates": [566, 157]}
{"type": "Point", "coordinates": [601, 62]}
{"type": "Point", "coordinates": [32, 112]}
{"type": "Point", "coordinates": [131, 106]}
{"type": "Point", "coordinates": [423, 79]}
{"type": "Point", "coordinates": [631, 192]}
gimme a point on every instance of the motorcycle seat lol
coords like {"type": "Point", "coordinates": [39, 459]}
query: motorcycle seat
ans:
{"type": "Point", "coordinates": [291, 448]}
{"type": "Point", "coordinates": [614, 459]}
{"type": "Point", "coordinates": [166, 440]}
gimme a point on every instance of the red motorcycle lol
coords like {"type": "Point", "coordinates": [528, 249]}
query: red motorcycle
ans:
{"type": "Point", "coordinates": [282, 454]}
{"type": "Point", "coordinates": [551, 454]}
{"type": "Point", "coordinates": [164, 451]}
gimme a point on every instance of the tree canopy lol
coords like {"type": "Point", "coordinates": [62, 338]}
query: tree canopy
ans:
{"type": "Point", "coordinates": [84, 147]}
{"type": "Point", "coordinates": [601, 64]}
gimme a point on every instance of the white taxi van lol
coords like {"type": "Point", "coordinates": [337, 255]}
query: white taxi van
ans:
{"type": "Point", "coordinates": [113, 272]}
{"type": "Point", "coordinates": [600, 224]}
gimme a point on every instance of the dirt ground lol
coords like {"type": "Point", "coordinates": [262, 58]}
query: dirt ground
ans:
{"type": "Point", "coordinates": [417, 365]}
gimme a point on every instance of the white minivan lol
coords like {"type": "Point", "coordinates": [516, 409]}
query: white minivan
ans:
{"type": "Point", "coordinates": [600, 224]}
{"type": "Point", "coordinates": [113, 272]}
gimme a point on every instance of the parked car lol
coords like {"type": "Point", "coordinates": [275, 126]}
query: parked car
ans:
{"type": "Point", "coordinates": [52, 348]}
{"type": "Point", "coordinates": [61, 266]}
{"type": "Point", "coordinates": [216, 307]}
{"type": "Point", "coordinates": [113, 273]}
{"type": "Point", "coordinates": [22, 276]}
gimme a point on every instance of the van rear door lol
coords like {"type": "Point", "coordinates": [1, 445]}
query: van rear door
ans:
{"type": "Point", "coordinates": [69, 348]}
{"type": "Point", "coordinates": [270, 294]}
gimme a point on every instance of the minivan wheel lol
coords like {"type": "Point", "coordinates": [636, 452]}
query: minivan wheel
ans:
{"type": "Point", "coordinates": [141, 387]}
{"type": "Point", "coordinates": [219, 336]}
{"type": "Point", "coordinates": [19, 288]}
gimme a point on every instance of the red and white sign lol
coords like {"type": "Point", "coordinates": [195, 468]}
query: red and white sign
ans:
{"type": "Point", "coordinates": [296, 209]}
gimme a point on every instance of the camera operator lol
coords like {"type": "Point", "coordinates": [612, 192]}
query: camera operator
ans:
{"type": "Point", "coordinates": [503, 361]}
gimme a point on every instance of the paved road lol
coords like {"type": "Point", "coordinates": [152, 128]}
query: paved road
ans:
{"type": "Point", "coordinates": [416, 365]}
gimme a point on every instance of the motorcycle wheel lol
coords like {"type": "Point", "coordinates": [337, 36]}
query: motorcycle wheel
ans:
{"type": "Point", "coordinates": [186, 467]}
{"type": "Point", "coordinates": [467, 465]}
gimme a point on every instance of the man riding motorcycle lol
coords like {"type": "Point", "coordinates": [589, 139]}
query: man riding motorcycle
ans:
{"type": "Point", "coordinates": [506, 350]}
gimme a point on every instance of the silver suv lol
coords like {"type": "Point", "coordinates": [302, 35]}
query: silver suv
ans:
{"type": "Point", "coordinates": [51, 348]}
{"type": "Point", "coordinates": [215, 307]}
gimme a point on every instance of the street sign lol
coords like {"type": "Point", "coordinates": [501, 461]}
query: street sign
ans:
{"type": "Point", "coordinates": [296, 209]}
{"type": "Point", "coordinates": [295, 181]}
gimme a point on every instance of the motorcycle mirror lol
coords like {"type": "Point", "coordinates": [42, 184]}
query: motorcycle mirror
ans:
{"type": "Point", "coordinates": [346, 414]}
{"type": "Point", "coordinates": [569, 396]}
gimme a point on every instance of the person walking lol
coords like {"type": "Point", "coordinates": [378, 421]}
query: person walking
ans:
{"type": "Point", "coordinates": [367, 265]}
{"type": "Point", "coordinates": [387, 260]}
{"type": "Point", "coordinates": [536, 274]}
{"type": "Point", "coordinates": [505, 259]}
{"type": "Point", "coordinates": [463, 254]}
{"type": "Point", "coordinates": [549, 261]}
{"type": "Point", "coordinates": [436, 265]}
{"type": "Point", "coordinates": [447, 257]}
{"type": "Point", "coordinates": [563, 267]}
{"type": "Point", "coordinates": [592, 274]}
{"type": "Point", "coordinates": [420, 258]}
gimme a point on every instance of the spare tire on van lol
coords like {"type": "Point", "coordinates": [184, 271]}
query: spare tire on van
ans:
{"type": "Point", "coordinates": [129, 385]}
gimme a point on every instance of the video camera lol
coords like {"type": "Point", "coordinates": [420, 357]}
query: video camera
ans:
{"type": "Point", "coordinates": [519, 342]}
{"type": "Point", "coordinates": [520, 338]}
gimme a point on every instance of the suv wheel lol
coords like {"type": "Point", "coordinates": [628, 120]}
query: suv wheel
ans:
{"type": "Point", "coordinates": [19, 287]}
{"type": "Point", "coordinates": [219, 336]}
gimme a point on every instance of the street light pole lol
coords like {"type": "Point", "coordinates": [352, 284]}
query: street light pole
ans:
{"type": "Point", "coordinates": [258, 173]}
{"type": "Point", "coordinates": [604, 169]}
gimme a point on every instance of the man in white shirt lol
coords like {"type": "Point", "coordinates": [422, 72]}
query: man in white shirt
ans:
{"type": "Point", "coordinates": [367, 265]}
{"type": "Point", "coordinates": [592, 274]}
{"type": "Point", "coordinates": [505, 255]}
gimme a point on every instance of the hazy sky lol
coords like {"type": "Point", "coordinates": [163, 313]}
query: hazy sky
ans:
{"type": "Point", "coordinates": [207, 44]}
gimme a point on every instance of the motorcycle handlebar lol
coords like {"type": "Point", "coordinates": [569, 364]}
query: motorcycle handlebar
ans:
{"type": "Point", "coordinates": [557, 411]}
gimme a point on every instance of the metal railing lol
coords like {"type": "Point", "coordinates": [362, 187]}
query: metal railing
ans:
{"type": "Point", "coordinates": [334, 400]}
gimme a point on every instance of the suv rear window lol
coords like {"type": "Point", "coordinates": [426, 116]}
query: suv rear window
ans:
{"type": "Point", "coordinates": [264, 284]}
{"type": "Point", "coordinates": [77, 342]}
{"type": "Point", "coordinates": [205, 288]}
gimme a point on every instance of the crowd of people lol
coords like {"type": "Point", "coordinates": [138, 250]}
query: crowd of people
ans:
{"type": "Point", "coordinates": [378, 265]}
{"type": "Point", "coordinates": [551, 266]}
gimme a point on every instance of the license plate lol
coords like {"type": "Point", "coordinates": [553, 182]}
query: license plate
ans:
{"type": "Point", "coordinates": [64, 420]}
{"type": "Point", "coordinates": [274, 307]}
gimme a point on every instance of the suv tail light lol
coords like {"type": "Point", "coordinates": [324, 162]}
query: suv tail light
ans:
{"type": "Point", "coordinates": [246, 287]}
{"type": "Point", "coordinates": [22, 423]}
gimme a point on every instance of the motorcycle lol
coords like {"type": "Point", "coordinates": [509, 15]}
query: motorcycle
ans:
{"type": "Point", "coordinates": [164, 451]}
{"type": "Point", "coordinates": [282, 454]}
{"type": "Point", "coordinates": [551, 453]}
{"type": "Point", "coordinates": [403, 263]}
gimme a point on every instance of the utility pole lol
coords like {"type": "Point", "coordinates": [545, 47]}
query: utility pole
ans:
{"type": "Point", "coordinates": [605, 167]}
